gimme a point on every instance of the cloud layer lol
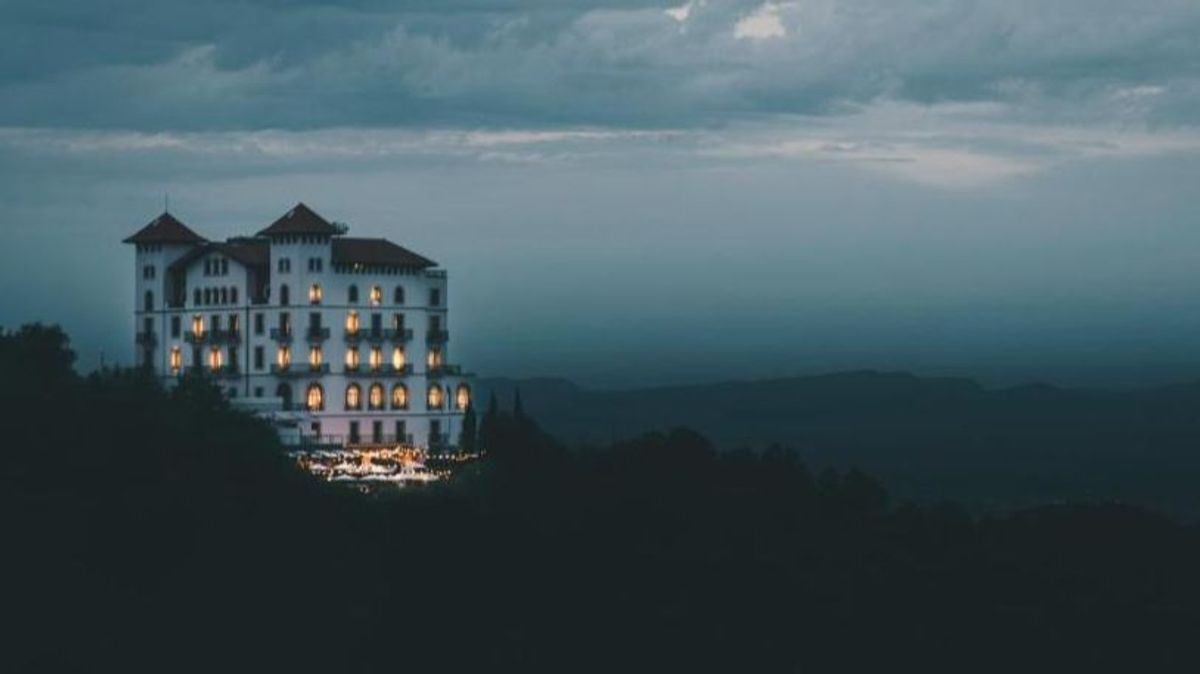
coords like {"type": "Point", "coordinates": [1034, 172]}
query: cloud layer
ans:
{"type": "Point", "coordinates": [173, 64]}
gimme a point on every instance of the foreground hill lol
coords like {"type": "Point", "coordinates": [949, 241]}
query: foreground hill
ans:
{"type": "Point", "coordinates": [930, 438]}
{"type": "Point", "coordinates": [163, 531]}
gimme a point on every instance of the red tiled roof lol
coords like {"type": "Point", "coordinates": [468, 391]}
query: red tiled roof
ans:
{"type": "Point", "coordinates": [376, 252]}
{"type": "Point", "coordinates": [300, 220]}
{"type": "Point", "coordinates": [166, 228]}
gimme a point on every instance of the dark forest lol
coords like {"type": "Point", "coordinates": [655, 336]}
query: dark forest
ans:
{"type": "Point", "coordinates": [163, 531]}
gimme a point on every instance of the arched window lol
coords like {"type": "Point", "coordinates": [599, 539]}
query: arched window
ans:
{"type": "Point", "coordinates": [315, 398]}
{"type": "Point", "coordinates": [176, 359]}
{"type": "Point", "coordinates": [284, 392]}
{"type": "Point", "coordinates": [315, 294]}
{"type": "Point", "coordinates": [434, 358]}
{"type": "Point", "coordinates": [399, 397]}
{"type": "Point", "coordinates": [215, 359]}
{"type": "Point", "coordinates": [376, 296]}
{"type": "Point", "coordinates": [353, 397]}
{"type": "Point", "coordinates": [148, 301]}
{"type": "Point", "coordinates": [352, 323]}
{"type": "Point", "coordinates": [398, 358]}
{"type": "Point", "coordinates": [376, 359]}
{"type": "Point", "coordinates": [352, 294]}
{"type": "Point", "coordinates": [284, 296]}
{"type": "Point", "coordinates": [233, 295]}
{"type": "Point", "coordinates": [462, 397]}
{"type": "Point", "coordinates": [315, 357]}
{"type": "Point", "coordinates": [375, 399]}
{"type": "Point", "coordinates": [351, 358]}
{"type": "Point", "coordinates": [398, 295]}
{"type": "Point", "coordinates": [435, 398]}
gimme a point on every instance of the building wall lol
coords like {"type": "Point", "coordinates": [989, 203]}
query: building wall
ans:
{"type": "Point", "coordinates": [251, 382]}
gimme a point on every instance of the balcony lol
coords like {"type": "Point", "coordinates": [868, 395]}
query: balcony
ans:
{"type": "Point", "coordinates": [401, 335]}
{"type": "Point", "coordinates": [282, 335]}
{"type": "Point", "coordinates": [212, 336]}
{"type": "Point", "coordinates": [323, 368]}
{"type": "Point", "coordinates": [352, 369]}
{"type": "Point", "coordinates": [437, 336]}
{"type": "Point", "coordinates": [226, 371]}
{"type": "Point", "coordinates": [146, 339]}
{"type": "Point", "coordinates": [353, 336]}
{"type": "Point", "coordinates": [315, 334]}
{"type": "Point", "coordinates": [439, 440]}
{"type": "Point", "coordinates": [288, 370]}
{"type": "Point", "coordinates": [444, 371]}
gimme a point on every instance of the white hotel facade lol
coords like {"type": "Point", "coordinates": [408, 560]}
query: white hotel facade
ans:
{"type": "Point", "coordinates": [338, 340]}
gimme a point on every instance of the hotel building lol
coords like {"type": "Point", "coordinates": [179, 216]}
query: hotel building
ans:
{"type": "Point", "coordinates": [336, 339]}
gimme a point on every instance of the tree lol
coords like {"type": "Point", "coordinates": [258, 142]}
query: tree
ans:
{"type": "Point", "coordinates": [487, 429]}
{"type": "Point", "coordinates": [467, 439]}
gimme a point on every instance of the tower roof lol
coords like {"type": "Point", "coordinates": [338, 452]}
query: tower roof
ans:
{"type": "Point", "coordinates": [300, 220]}
{"type": "Point", "coordinates": [166, 228]}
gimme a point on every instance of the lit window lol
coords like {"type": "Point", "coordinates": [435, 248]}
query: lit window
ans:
{"type": "Point", "coordinates": [214, 359]}
{"type": "Point", "coordinates": [197, 325]}
{"type": "Point", "coordinates": [399, 397]}
{"type": "Point", "coordinates": [463, 397]}
{"type": "Point", "coordinates": [315, 294]}
{"type": "Point", "coordinates": [434, 398]}
{"type": "Point", "coordinates": [434, 359]}
{"type": "Point", "coordinates": [316, 397]}
{"type": "Point", "coordinates": [314, 357]}
{"type": "Point", "coordinates": [376, 295]}
{"type": "Point", "coordinates": [397, 358]}
{"type": "Point", "coordinates": [176, 360]}
{"type": "Point", "coordinates": [284, 357]}
{"type": "Point", "coordinates": [351, 359]}
{"type": "Point", "coordinates": [352, 322]}
{"type": "Point", "coordinates": [353, 397]}
{"type": "Point", "coordinates": [375, 397]}
{"type": "Point", "coordinates": [376, 358]}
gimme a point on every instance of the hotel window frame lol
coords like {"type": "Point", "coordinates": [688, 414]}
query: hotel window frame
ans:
{"type": "Point", "coordinates": [352, 294]}
{"type": "Point", "coordinates": [398, 296]}
{"type": "Point", "coordinates": [402, 391]}
{"type": "Point", "coordinates": [316, 389]}
{"type": "Point", "coordinates": [285, 295]}
{"type": "Point", "coordinates": [376, 295]}
{"type": "Point", "coordinates": [376, 397]}
{"type": "Point", "coordinates": [315, 294]}
{"type": "Point", "coordinates": [353, 397]}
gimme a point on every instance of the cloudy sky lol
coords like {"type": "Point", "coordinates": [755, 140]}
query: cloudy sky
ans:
{"type": "Point", "coordinates": [630, 192]}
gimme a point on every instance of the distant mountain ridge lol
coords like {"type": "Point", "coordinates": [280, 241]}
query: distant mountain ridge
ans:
{"type": "Point", "coordinates": [930, 437]}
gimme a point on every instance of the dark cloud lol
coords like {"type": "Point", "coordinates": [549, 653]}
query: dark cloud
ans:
{"type": "Point", "coordinates": [175, 64]}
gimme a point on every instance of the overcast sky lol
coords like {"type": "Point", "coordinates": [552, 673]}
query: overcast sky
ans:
{"type": "Point", "coordinates": [630, 192]}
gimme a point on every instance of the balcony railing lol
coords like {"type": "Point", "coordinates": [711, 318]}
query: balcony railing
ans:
{"type": "Point", "coordinates": [444, 370]}
{"type": "Point", "coordinates": [353, 336]}
{"type": "Point", "coordinates": [317, 334]}
{"type": "Point", "coordinates": [398, 335]}
{"type": "Point", "coordinates": [437, 336]}
{"type": "Point", "coordinates": [323, 368]}
{"type": "Point", "coordinates": [288, 370]}
{"type": "Point", "coordinates": [439, 440]}
{"type": "Point", "coordinates": [282, 335]}
{"type": "Point", "coordinates": [212, 336]}
{"type": "Point", "coordinates": [146, 339]}
{"type": "Point", "coordinates": [352, 369]}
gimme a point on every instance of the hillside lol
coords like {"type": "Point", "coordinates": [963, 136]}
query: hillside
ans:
{"type": "Point", "coordinates": [930, 438]}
